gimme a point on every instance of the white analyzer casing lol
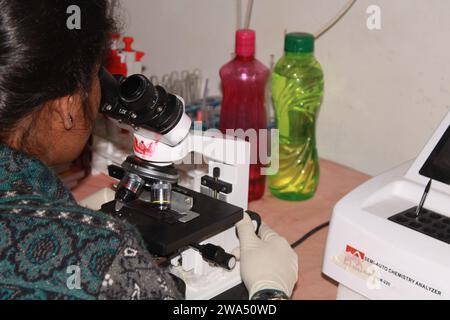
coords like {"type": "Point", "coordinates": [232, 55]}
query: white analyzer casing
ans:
{"type": "Point", "coordinates": [372, 257]}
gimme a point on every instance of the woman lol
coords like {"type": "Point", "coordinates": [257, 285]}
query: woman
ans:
{"type": "Point", "coordinates": [49, 96]}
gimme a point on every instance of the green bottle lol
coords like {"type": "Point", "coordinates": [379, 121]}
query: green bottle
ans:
{"type": "Point", "coordinates": [297, 91]}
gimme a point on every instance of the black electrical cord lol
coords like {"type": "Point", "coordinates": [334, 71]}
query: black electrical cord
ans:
{"type": "Point", "coordinates": [309, 234]}
{"type": "Point", "coordinates": [257, 218]}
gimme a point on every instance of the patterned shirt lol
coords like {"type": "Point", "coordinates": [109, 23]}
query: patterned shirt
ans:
{"type": "Point", "coordinates": [51, 248]}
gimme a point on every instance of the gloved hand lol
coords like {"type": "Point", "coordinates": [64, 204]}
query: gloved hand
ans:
{"type": "Point", "coordinates": [267, 261]}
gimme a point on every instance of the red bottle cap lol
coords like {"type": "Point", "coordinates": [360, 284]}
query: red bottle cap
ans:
{"type": "Point", "coordinates": [199, 116]}
{"type": "Point", "coordinates": [139, 55]}
{"type": "Point", "coordinates": [245, 43]}
{"type": "Point", "coordinates": [128, 42]}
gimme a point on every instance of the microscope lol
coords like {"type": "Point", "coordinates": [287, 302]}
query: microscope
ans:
{"type": "Point", "coordinates": [193, 232]}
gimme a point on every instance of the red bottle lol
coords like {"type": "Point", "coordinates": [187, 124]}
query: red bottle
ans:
{"type": "Point", "coordinates": [244, 82]}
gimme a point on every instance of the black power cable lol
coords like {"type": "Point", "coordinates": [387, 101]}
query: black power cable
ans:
{"type": "Point", "coordinates": [309, 234]}
{"type": "Point", "coordinates": [257, 218]}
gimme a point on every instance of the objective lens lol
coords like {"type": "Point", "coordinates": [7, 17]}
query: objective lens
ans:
{"type": "Point", "coordinates": [129, 189]}
{"type": "Point", "coordinates": [162, 194]}
{"type": "Point", "coordinates": [132, 182]}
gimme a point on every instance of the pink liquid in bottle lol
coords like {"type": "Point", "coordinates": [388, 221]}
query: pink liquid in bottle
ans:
{"type": "Point", "coordinates": [244, 82]}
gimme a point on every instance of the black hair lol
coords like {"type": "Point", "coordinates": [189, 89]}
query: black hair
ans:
{"type": "Point", "coordinates": [42, 58]}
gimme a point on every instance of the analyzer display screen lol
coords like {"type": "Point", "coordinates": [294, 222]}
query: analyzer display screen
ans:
{"type": "Point", "coordinates": [437, 166]}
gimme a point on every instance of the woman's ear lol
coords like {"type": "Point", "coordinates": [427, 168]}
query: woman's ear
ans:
{"type": "Point", "coordinates": [66, 108]}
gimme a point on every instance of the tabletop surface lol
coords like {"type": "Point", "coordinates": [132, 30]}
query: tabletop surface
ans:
{"type": "Point", "coordinates": [292, 220]}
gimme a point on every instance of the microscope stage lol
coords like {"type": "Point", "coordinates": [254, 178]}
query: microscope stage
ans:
{"type": "Point", "coordinates": [164, 235]}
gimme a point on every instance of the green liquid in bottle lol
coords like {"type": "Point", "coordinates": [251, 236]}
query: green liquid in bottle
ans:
{"type": "Point", "coordinates": [297, 90]}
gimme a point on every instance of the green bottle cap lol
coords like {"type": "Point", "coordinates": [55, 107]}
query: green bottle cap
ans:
{"type": "Point", "coordinates": [299, 42]}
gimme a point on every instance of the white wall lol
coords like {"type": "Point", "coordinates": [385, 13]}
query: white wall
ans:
{"type": "Point", "coordinates": [386, 90]}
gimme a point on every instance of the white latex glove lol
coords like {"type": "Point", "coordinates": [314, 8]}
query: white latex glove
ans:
{"type": "Point", "coordinates": [267, 261]}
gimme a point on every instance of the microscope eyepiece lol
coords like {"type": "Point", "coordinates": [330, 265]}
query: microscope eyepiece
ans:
{"type": "Point", "coordinates": [135, 88]}
{"type": "Point", "coordinates": [137, 102]}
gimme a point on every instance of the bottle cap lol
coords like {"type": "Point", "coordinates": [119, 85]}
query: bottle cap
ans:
{"type": "Point", "coordinates": [128, 42]}
{"type": "Point", "coordinates": [245, 43]}
{"type": "Point", "coordinates": [299, 42]}
{"type": "Point", "coordinates": [139, 56]}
